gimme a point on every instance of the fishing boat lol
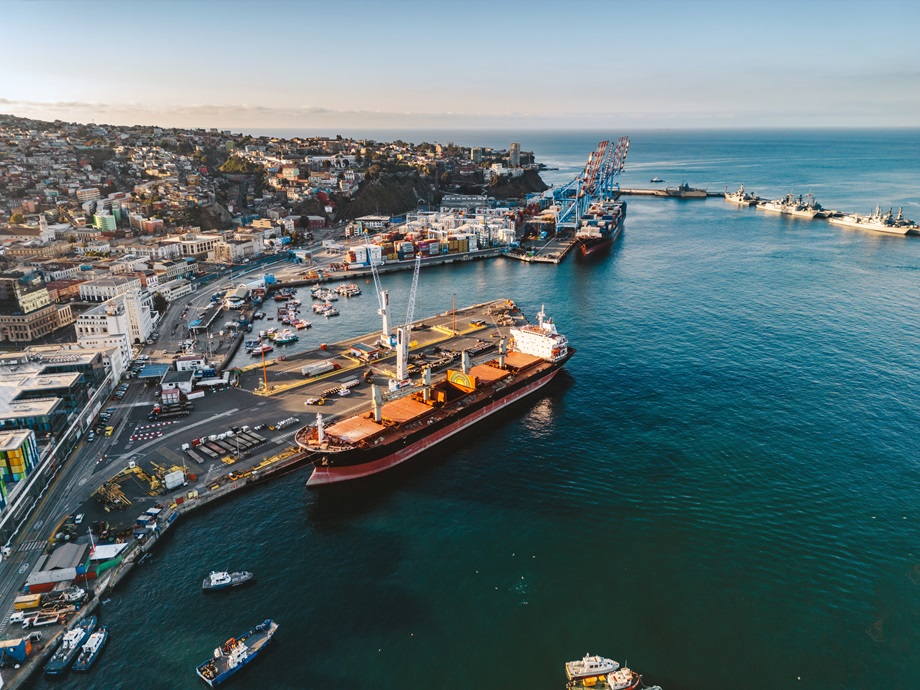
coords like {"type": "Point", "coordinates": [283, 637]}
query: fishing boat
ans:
{"type": "Point", "coordinates": [741, 197]}
{"type": "Point", "coordinates": [236, 653]}
{"type": "Point", "coordinates": [90, 651]}
{"type": "Point", "coordinates": [878, 222]}
{"type": "Point", "coordinates": [590, 667]}
{"type": "Point", "coordinates": [249, 344]}
{"type": "Point", "coordinates": [71, 644]}
{"type": "Point", "coordinates": [217, 580]}
{"type": "Point", "coordinates": [623, 679]}
{"type": "Point", "coordinates": [656, 180]}
{"type": "Point", "coordinates": [285, 337]}
{"type": "Point", "coordinates": [395, 431]}
{"type": "Point", "coordinates": [330, 312]}
{"type": "Point", "coordinates": [262, 349]}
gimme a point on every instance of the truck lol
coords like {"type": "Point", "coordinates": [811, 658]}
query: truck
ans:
{"type": "Point", "coordinates": [318, 368]}
{"type": "Point", "coordinates": [170, 411]}
{"type": "Point", "coordinates": [173, 480]}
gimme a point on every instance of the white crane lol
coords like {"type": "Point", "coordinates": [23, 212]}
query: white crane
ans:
{"type": "Point", "coordinates": [403, 332]}
{"type": "Point", "coordinates": [383, 298]}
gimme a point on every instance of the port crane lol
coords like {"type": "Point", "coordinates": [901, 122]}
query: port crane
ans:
{"type": "Point", "coordinates": [599, 180]}
{"type": "Point", "coordinates": [383, 299]}
{"type": "Point", "coordinates": [403, 332]}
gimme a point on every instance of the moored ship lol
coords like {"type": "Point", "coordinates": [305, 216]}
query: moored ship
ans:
{"type": "Point", "coordinates": [90, 651]}
{"type": "Point", "coordinates": [600, 225]}
{"type": "Point", "coordinates": [71, 645]}
{"type": "Point", "coordinates": [683, 191]}
{"type": "Point", "coordinates": [365, 444]}
{"type": "Point", "coordinates": [799, 206]}
{"type": "Point", "coordinates": [741, 197]}
{"type": "Point", "coordinates": [879, 222]}
{"type": "Point", "coordinates": [590, 666]}
{"type": "Point", "coordinates": [236, 653]}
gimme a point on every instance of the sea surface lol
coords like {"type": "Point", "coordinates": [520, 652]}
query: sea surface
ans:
{"type": "Point", "coordinates": [722, 489]}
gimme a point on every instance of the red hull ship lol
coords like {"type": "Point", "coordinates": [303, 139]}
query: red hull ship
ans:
{"type": "Point", "coordinates": [400, 429]}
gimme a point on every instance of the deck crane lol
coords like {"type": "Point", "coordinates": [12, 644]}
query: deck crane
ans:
{"type": "Point", "coordinates": [383, 299]}
{"type": "Point", "coordinates": [403, 332]}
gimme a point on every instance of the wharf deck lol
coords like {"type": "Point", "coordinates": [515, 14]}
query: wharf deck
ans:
{"type": "Point", "coordinates": [435, 341]}
{"type": "Point", "coordinates": [551, 251]}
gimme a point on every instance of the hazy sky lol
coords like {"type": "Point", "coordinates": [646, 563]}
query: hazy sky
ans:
{"type": "Point", "coordinates": [496, 64]}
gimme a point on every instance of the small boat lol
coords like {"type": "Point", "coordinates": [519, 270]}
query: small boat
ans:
{"type": "Point", "coordinates": [236, 653]}
{"type": "Point", "coordinates": [262, 349]}
{"type": "Point", "coordinates": [590, 666]}
{"type": "Point", "coordinates": [223, 580]}
{"type": "Point", "coordinates": [249, 344]}
{"type": "Point", "coordinates": [331, 311]}
{"type": "Point", "coordinates": [90, 651]}
{"type": "Point", "coordinates": [623, 679]}
{"type": "Point", "coordinates": [286, 337]}
{"type": "Point", "coordinates": [73, 641]}
{"type": "Point", "coordinates": [656, 180]}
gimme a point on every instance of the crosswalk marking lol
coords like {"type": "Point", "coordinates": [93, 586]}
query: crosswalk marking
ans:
{"type": "Point", "coordinates": [32, 545]}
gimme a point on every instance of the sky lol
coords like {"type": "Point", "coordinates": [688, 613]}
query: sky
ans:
{"type": "Point", "coordinates": [466, 64]}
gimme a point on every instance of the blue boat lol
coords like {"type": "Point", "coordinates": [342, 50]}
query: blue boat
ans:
{"type": "Point", "coordinates": [236, 653]}
{"type": "Point", "coordinates": [71, 645]}
{"type": "Point", "coordinates": [91, 650]}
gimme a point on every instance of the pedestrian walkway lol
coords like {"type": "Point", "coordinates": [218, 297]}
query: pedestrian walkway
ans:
{"type": "Point", "coordinates": [32, 545]}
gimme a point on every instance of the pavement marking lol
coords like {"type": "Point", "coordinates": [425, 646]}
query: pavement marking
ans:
{"type": "Point", "coordinates": [282, 437]}
{"type": "Point", "coordinates": [32, 545]}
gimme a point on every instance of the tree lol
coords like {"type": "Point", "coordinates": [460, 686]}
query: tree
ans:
{"type": "Point", "coordinates": [373, 172]}
{"type": "Point", "coordinates": [16, 218]}
{"type": "Point", "coordinates": [160, 303]}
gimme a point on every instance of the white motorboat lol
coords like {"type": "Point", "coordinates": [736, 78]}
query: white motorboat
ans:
{"type": "Point", "coordinates": [590, 666]}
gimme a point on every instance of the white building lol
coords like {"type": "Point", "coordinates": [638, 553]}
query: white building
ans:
{"type": "Point", "coordinates": [106, 288]}
{"type": "Point", "coordinates": [129, 313]}
{"type": "Point", "coordinates": [175, 289]}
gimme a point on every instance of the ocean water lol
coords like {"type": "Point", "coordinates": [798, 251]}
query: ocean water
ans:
{"type": "Point", "coordinates": [720, 490]}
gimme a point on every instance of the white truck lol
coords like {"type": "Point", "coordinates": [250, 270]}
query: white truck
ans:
{"type": "Point", "coordinates": [317, 368]}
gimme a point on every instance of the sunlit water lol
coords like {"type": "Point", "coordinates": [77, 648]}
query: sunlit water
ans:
{"type": "Point", "coordinates": [720, 490]}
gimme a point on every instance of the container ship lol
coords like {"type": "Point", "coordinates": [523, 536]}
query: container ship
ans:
{"type": "Point", "coordinates": [600, 225]}
{"type": "Point", "coordinates": [395, 431]}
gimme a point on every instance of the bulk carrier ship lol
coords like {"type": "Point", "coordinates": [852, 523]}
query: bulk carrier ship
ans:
{"type": "Point", "coordinates": [395, 431]}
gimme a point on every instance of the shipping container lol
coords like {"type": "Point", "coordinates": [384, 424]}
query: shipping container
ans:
{"type": "Point", "coordinates": [173, 480]}
{"type": "Point", "coordinates": [28, 601]}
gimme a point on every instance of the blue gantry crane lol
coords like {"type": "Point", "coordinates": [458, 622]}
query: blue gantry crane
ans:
{"type": "Point", "coordinates": [599, 180]}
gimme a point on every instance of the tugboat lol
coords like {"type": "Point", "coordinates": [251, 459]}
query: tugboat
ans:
{"type": "Point", "coordinates": [223, 580]}
{"type": "Point", "coordinates": [590, 667]}
{"type": "Point", "coordinates": [91, 650]}
{"type": "Point", "coordinates": [236, 653]}
{"type": "Point", "coordinates": [70, 646]}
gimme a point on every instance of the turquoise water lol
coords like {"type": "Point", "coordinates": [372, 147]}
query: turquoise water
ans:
{"type": "Point", "coordinates": [721, 489]}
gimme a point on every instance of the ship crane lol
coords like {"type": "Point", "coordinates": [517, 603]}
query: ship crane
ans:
{"type": "Point", "coordinates": [403, 332]}
{"type": "Point", "coordinates": [383, 299]}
